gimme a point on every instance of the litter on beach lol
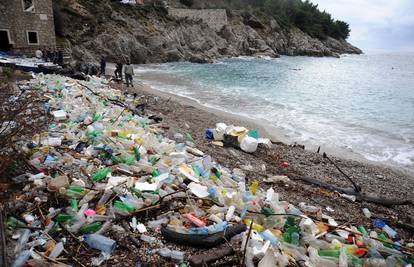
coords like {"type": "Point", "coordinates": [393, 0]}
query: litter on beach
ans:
{"type": "Point", "coordinates": [94, 189]}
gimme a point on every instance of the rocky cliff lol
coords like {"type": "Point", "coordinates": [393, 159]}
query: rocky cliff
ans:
{"type": "Point", "coordinates": [149, 34]}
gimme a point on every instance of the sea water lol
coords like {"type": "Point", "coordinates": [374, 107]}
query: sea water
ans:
{"type": "Point", "coordinates": [361, 104]}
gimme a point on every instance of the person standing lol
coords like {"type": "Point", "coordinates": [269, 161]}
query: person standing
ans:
{"type": "Point", "coordinates": [118, 70]}
{"type": "Point", "coordinates": [103, 66]}
{"type": "Point", "coordinates": [60, 58]}
{"type": "Point", "coordinates": [129, 72]}
{"type": "Point", "coordinates": [39, 54]}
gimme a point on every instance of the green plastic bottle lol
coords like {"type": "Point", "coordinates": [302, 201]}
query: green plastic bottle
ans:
{"type": "Point", "coordinates": [130, 160]}
{"type": "Point", "coordinates": [62, 218]}
{"type": "Point", "coordinates": [137, 153]}
{"type": "Point", "coordinates": [268, 211]}
{"type": "Point", "coordinates": [188, 137]}
{"type": "Point", "coordinates": [153, 160]}
{"type": "Point", "coordinates": [155, 173]}
{"type": "Point", "coordinates": [116, 159]}
{"type": "Point", "coordinates": [100, 175]}
{"type": "Point", "coordinates": [91, 228]}
{"type": "Point", "coordinates": [382, 237]}
{"type": "Point", "coordinates": [75, 192]}
{"type": "Point", "coordinates": [74, 204]}
{"type": "Point", "coordinates": [12, 223]}
{"type": "Point", "coordinates": [123, 207]}
{"type": "Point", "coordinates": [362, 230]}
{"type": "Point", "coordinates": [329, 253]}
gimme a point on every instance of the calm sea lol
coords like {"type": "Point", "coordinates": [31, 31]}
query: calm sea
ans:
{"type": "Point", "coordinates": [360, 104]}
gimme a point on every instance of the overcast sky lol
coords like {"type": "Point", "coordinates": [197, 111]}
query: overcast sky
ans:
{"type": "Point", "coordinates": [375, 24]}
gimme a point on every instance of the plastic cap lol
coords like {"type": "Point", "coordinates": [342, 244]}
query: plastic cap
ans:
{"type": "Point", "coordinates": [379, 223]}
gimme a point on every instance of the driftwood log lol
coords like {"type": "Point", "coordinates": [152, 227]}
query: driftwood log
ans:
{"type": "Point", "coordinates": [360, 196]}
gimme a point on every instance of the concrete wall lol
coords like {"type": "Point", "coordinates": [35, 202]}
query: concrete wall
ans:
{"type": "Point", "coordinates": [214, 18]}
{"type": "Point", "coordinates": [18, 22]}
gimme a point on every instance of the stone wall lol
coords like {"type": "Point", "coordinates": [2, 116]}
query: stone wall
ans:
{"type": "Point", "coordinates": [214, 18]}
{"type": "Point", "coordinates": [18, 22]}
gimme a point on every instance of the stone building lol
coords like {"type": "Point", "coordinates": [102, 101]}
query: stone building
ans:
{"type": "Point", "coordinates": [26, 25]}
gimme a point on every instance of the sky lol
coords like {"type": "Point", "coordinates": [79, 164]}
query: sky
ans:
{"type": "Point", "coordinates": [375, 24]}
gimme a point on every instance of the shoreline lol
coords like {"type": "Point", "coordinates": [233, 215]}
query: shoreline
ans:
{"type": "Point", "coordinates": [183, 115]}
{"type": "Point", "coordinates": [270, 131]}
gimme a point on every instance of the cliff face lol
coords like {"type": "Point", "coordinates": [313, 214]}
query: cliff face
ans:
{"type": "Point", "coordinates": [150, 35]}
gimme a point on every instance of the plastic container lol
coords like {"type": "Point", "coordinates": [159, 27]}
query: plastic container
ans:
{"type": "Point", "coordinates": [249, 144]}
{"type": "Point", "coordinates": [101, 243]}
{"type": "Point", "coordinates": [57, 250]}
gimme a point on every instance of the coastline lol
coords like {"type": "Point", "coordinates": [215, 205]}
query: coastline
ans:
{"type": "Point", "coordinates": [270, 131]}
{"type": "Point", "coordinates": [183, 115]}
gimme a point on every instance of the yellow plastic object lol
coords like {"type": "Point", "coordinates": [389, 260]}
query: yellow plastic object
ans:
{"type": "Point", "coordinates": [254, 186]}
{"type": "Point", "coordinates": [255, 226]}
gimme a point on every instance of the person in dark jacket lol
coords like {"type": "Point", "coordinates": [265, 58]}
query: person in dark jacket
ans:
{"type": "Point", "coordinates": [118, 70]}
{"type": "Point", "coordinates": [103, 66]}
{"type": "Point", "coordinates": [60, 58]}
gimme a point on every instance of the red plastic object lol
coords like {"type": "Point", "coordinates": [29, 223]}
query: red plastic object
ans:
{"type": "Point", "coordinates": [285, 164]}
{"type": "Point", "coordinates": [360, 252]}
{"type": "Point", "coordinates": [195, 220]}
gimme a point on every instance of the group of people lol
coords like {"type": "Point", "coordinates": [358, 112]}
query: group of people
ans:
{"type": "Point", "coordinates": [49, 55]}
{"type": "Point", "coordinates": [128, 71]}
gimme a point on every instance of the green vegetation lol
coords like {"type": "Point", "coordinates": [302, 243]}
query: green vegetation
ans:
{"type": "Point", "coordinates": [302, 14]}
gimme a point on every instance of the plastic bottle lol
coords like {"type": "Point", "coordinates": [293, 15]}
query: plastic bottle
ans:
{"type": "Point", "coordinates": [62, 218]}
{"type": "Point", "coordinates": [230, 213]}
{"type": "Point", "coordinates": [88, 197]}
{"type": "Point", "coordinates": [198, 231]}
{"type": "Point", "coordinates": [73, 191]}
{"type": "Point", "coordinates": [148, 239]}
{"type": "Point", "coordinates": [91, 228]}
{"type": "Point", "coordinates": [21, 258]}
{"type": "Point", "coordinates": [123, 208]}
{"type": "Point", "coordinates": [268, 235]}
{"type": "Point", "coordinates": [329, 253]}
{"type": "Point", "coordinates": [362, 230]}
{"type": "Point", "coordinates": [100, 175]}
{"type": "Point", "coordinates": [367, 213]}
{"type": "Point", "coordinates": [57, 250]}
{"type": "Point", "coordinates": [101, 243]}
{"type": "Point", "coordinates": [374, 262]}
{"type": "Point", "coordinates": [373, 253]}
{"type": "Point", "coordinates": [218, 227]}
{"type": "Point", "coordinates": [343, 258]}
{"type": "Point", "coordinates": [391, 261]}
{"type": "Point", "coordinates": [382, 225]}
{"type": "Point", "coordinates": [104, 198]}
{"type": "Point", "coordinates": [295, 237]}
{"type": "Point", "coordinates": [24, 237]}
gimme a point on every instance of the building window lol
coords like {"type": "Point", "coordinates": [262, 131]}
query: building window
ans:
{"type": "Point", "coordinates": [32, 38]}
{"type": "Point", "coordinates": [28, 5]}
{"type": "Point", "coordinates": [5, 40]}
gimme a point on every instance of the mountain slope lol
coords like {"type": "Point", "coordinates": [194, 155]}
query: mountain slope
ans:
{"type": "Point", "coordinates": [148, 34]}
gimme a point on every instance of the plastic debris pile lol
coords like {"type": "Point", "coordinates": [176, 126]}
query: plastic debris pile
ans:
{"type": "Point", "coordinates": [107, 166]}
{"type": "Point", "coordinates": [236, 136]}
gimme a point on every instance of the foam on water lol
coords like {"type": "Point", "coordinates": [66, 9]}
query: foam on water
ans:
{"type": "Point", "coordinates": [359, 104]}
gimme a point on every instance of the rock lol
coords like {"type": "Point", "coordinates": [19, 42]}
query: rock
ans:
{"type": "Point", "coordinates": [153, 37]}
{"type": "Point", "coordinates": [199, 59]}
{"type": "Point", "coordinates": [253, 22]}
{"type": "Point", "coordinates": [174, 55]}
{"type": "Point", "coordinates": [274, 26]}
